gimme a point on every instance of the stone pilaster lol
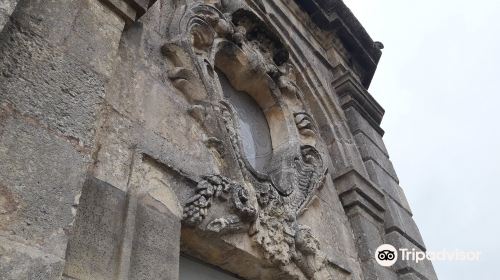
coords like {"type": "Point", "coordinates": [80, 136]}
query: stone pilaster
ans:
{"type": "Point", "coordinates": [365, 208]}
{"type": "Point", "coordinates": [364, 115]}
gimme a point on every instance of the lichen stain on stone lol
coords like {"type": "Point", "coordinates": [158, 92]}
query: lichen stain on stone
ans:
{"type": "Point", "coordinates": [8, 205]}
{"type": "Point", "coordinates": [8, 202]}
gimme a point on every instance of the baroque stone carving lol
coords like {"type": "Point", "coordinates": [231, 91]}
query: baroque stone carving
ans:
{"type": "Point", "coordinates": [311, 175]}
{"type": "Point", "coordinates": [181, 74]}
{"type": "Point", "coordinates": [221, 188]}
{"type": "Point", "coordinates": [255, 61]}
{"type": "Point", "coordinates": [305, 124]}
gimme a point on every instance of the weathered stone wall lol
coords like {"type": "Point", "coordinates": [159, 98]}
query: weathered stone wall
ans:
{"type": "Point", "coordinates": [118, 150]}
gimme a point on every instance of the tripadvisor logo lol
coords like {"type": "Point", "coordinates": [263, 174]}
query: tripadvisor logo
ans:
{"type": "Point", "coordinates": [386, 255]}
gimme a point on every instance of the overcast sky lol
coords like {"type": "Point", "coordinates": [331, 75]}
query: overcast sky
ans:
{"type": "Point", "coordinates": [438, 82]}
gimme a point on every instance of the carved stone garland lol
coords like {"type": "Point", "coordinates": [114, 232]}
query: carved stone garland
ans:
{"type": "Point", "coordinates": [273, 221]}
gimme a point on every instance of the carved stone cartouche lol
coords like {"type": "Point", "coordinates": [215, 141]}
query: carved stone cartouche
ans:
{"type": "Point", "coordinates": [296, 171]}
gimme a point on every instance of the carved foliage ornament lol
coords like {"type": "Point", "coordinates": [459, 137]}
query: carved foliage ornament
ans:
{"type": "Point", "coordinates": [218, 188]}
{"type": "Point", "coordinates": [266, 204]}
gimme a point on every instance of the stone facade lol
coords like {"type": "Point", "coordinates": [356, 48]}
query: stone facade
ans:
{"type": "Point", "coordinates": [119, 150]}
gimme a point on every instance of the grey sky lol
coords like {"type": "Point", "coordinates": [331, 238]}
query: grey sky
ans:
{"type": "Point", "coordinates": [438, 81]}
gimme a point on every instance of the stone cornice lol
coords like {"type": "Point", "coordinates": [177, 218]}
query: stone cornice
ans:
{"type": "Point", "coordinates": [334, 15]}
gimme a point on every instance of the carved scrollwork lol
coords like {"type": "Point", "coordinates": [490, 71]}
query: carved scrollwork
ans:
{"type": "Point", "coordinates": [305, 124]}
{"type": "Point", "coordinates": [202, 35]}
{"type": "Point", "coordinates": [297, 169]}
{"type": "Point", "coordinates": [311, 173]}
{"type": "Point", "coordinates": [259, 35]}
{"type": "Point", "coordinates": [231, 223]}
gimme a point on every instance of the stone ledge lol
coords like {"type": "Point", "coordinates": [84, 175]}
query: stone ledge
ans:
{"type": "Point", "coordinates": [129, 10]}
{"type": "Point", "coordinates": [355, 190]}
{"type": "Point", "coordinates": [354, 200]}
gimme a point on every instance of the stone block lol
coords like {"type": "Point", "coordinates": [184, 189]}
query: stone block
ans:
{"type": "Point", "coordinates": [162, 184]}
{"type": "Point", "coordinates": [19, 261]}
{"type": "Point", "coordinates": [156, 244]}
{"type": "Point", "coordinates": [123, 9]}
{"type": "Point", "coordinates": [423, 269]}
{"type": "Point", "coordinates": [95, 244]}
{"type": "Point", "coordinates": [153, 18]}
{"type": "Point", "coordinates": [50, 20]}
{"type": "Point", "coordinates": [397, 219]}
{"type": "Point", "coordinates": [358, 124]}
{"type": "Point", "coordinates": [185, 153]}
{"type": "Point", "coordinates": [373, 271]}
{"type": "Point", "coordinates": [368, 236]}
{"type": "Point", "coordinates": [369, 151]}
{"type": "Point", "coordinates": [331, 227]}
{"type": "Point", "coordinates": [351, 157]}
{"type": "Point", "coordinates": [95, 36]}
{"type": "Point", "coordinates": [41, 82]}
{"type": "Point", "coordinates": [387, 184]}
{"type": "Point", "coordinates": [41, 175]}
{"type": "Point", "coordinates": [114, 158]}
